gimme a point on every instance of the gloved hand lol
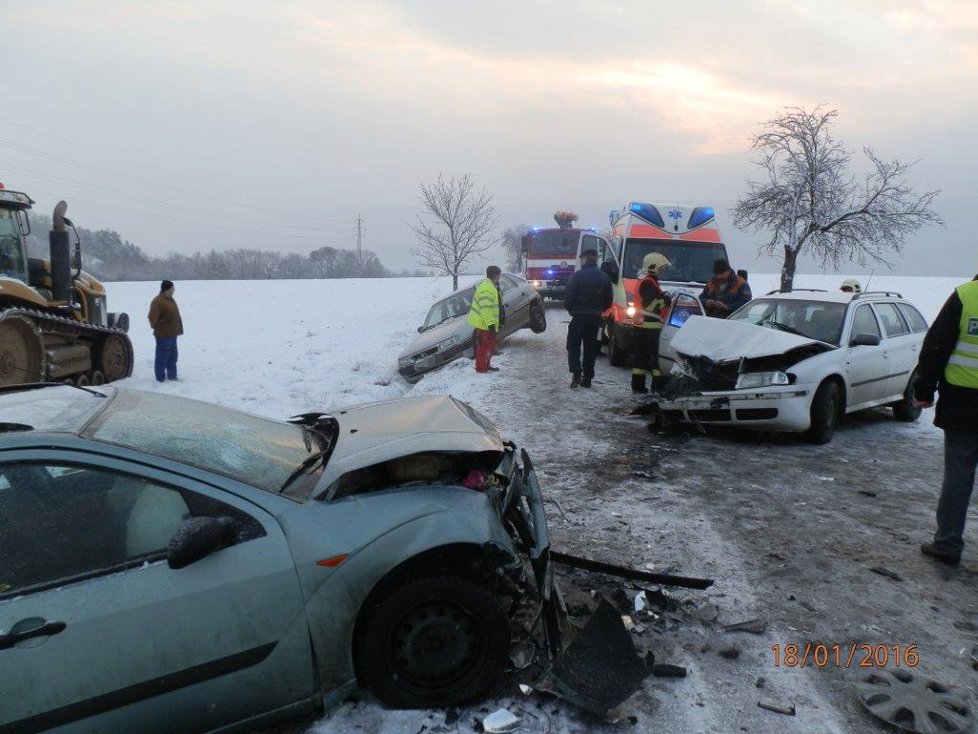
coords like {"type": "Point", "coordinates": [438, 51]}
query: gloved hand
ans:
{"type": "Point", "coordinates": [492, 329]}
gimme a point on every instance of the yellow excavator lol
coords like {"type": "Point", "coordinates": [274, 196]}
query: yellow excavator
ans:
{"type": "Point", "coordinates": [54, 322]}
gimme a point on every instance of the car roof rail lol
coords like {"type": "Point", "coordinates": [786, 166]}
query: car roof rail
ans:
{"type": "Point", "coordinates": [795, 290]}
{"type": "Point", "coordinates": [892, 294]}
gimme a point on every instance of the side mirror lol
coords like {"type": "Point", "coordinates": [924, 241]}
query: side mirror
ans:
{"type": "Point", "coordinates": [611, 270]}
{"type": "Point", "coordinates": [198, 538]}
{"type": "Point", "coordinates": [865, 340]}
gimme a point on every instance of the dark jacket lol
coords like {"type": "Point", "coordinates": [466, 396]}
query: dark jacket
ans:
{"type": "Point", "coordinates": [164, 317]}
{"type": "Point", "coordinates": [733, 292]}
{"type": "Point", "coordinates": [589, 292]}
{"type": "Point", "coordinates": [957, 407]}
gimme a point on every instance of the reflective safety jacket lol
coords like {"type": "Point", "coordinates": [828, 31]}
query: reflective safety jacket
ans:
{"type": "Point", "coordinates": [485, 306]}
{"type": "Point", "coordinates": [650, 315]}
{"type": "Point", "coordinates": [962, 365]}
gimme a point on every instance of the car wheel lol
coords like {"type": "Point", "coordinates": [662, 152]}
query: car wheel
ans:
{"type": "Point", "coordinates": [434, 641]}
{"type": "Point", "coordinates": [825, 412]}
{"type": "Point", "coordinates": [616, 356]}
{"type": "Point", "coordinates": [538, 319]}
{"type": "Point", "coordinates": [906, 410]}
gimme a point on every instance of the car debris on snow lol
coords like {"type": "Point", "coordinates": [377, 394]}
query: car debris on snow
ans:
{"type": "Point", "coordinates": [755, 626]}
{"type": "Point", "coordinates": [786, 709]}
{"type": "Point", "coordinates": [668, 670]}
{"type": "Point", "coordinates": [882, 571]}
{"type": "Point", "coordinates": [500, 722]}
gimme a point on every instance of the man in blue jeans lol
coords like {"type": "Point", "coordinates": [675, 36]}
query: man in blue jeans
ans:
{"type": "Point", "coordinates": [949, 364]}
{"type": "Point", "coordinates": [164, 317]}
{"type": "Point", "coordinates": [588, 295]}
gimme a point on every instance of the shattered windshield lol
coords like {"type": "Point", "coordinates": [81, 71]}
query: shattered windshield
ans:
{"type": "Point", "coordinates": [813, 319]}
{"type": "Point", "coordinates": [452, 307]}
{"type": "Point", "coordinates": [257, 451]}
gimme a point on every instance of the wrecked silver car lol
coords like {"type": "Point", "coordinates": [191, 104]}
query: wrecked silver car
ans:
{"type": "Point", "coordinates": [173, 565]}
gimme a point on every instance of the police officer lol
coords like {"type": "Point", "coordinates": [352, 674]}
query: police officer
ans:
{"type": "Point", "coordinates": [651, 306]}
{"type": "Point", "coordinates": [588, 295]}
{"type": "Point", "coordinates": [949, 364]}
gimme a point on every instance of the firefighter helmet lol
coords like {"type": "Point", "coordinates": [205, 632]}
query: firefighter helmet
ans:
{"type": "Point", "coordinates": [850, 285]}
{"type": "Point", "coordinates": [653, 264]}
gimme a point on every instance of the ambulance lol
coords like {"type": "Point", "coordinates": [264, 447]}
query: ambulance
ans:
{"type": "Point", "coordinates": [688, 236]}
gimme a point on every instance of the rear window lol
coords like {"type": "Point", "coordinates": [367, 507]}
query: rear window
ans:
{"type": "Point", "coordinates": [917, 322]}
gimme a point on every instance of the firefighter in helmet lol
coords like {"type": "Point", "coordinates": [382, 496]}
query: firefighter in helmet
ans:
{"type": "Point", "coordinates": [850, 285]}
{"type": "Point", "coordinates": [651, 306]}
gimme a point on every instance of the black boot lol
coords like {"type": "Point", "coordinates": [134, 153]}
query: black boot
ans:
{"type": "Point", "coordinates": [575, 380]}
{"type": "Point", "coordinates": [638, 384]}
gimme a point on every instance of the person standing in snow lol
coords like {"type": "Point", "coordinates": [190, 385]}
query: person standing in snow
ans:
{"type": "Point", "coordinates": [726, 291]}
{"type": "Point", "coordinates": [588, 295]}
{"type": "Point", "coordinates": [949, 364]}
{"type": "Point", "coordinates": [485, 316]}
{"type": "Point", "coordinates": [164, 317]}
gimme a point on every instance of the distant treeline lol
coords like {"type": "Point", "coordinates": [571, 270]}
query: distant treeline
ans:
{"type": "Point", "coordinates": [109, 257]}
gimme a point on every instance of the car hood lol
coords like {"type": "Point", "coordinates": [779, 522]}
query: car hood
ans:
{"type": "Point", "coordinates": [723, 340]}
{"type": "Point", "coordinates": [377, 432]}
{"type": "Point", "coordinates": [429, 338]}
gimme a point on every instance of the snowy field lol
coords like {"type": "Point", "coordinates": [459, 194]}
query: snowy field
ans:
{"type": "Point", "coordinates": [790, 531]}
{"type": "Point", "coordinates": [280, 347]}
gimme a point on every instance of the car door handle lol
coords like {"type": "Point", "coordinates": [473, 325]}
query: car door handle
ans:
{"type": "Point", "coordinates": [47, 629]}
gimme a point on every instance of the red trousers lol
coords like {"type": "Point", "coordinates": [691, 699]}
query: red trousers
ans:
{"type": "Point", "coordinates": [485, 345]}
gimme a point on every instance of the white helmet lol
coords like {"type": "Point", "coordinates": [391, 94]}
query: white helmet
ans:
{"type": "Point", "coordinates": [653, 264]}
{"type": "Point", "coordinates": [850, 285]}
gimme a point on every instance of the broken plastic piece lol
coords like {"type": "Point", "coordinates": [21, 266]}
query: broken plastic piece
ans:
{"type": "Point", "coordinates": [756, 626]}
{"type": "Point", "coordinates": [667, 670]}
{"type": "Point", "coordinates": [886, 572]}
{"type": "Point", "coordinates": [500, 722]}
{"type": "Point", "coordinates": [627, 621]}
{"type": "Point", "coordinates": [640, 601]}
{"type": "Point", "coordinates": [601, 667]}
{"type": "Point", "coordinates": [787, 710]}
{"type": "Point", "coordinates": [525, 689]}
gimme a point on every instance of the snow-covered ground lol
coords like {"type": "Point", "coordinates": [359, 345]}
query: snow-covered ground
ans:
{"type": "Point", "coordinates": [789, 531]}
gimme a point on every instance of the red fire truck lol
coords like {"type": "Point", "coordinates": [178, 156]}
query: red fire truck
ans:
{"type": "Point", "coordinates": [552, 255]}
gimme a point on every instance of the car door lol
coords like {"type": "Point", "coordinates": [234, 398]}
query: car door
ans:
{"type": "Point", "coordinates": [684, 304]}
{"type": "Point", "coordinates": [99, 634]}
{"type": "Point", "coordinates": [867, 367]}
{"type": "Point", "coordinates": [902, 347]}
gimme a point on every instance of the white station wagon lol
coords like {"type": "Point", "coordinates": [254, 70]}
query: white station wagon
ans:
{"type": "Point", "coordinates": [798, 361]}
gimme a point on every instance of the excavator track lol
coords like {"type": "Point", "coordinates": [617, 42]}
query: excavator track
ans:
{"type": "Point", "coordinates": [39, 346]}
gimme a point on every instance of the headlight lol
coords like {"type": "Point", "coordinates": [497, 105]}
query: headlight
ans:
{"type": "Point", "coordinates": [630, 311]}
{"type": "Point", "coordinates": [537, 283]}
{"type": "Point", "coordinates": [449, 342]}
{"type": "Point", "coordinates": [761, 379]}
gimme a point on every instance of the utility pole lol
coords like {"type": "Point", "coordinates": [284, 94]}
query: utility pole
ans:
{"type": "Point", "coordinates": [359, 245]}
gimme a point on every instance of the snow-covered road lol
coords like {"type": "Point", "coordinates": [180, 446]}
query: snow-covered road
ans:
{"type": "Point", "coordinates": [789, 531]}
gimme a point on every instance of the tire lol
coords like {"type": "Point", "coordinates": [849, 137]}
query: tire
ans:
{"type": "Point", "coordinates": [538, 319]}
{"type": "Point", "coordinates": [825, 411]}
{"type": "Point", "coordinates": [113, 358]}
{"type": "Point", "coordinates": [433, 641]}
{"type": "Point", "coordinates": [21, 353]}
{"type": "Point", "coordinates": [906, 410]}
{"type": "Point", "coordinates": [616, 356]}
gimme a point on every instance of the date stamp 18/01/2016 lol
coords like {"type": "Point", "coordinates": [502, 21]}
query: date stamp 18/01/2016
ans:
{"type": "Point", "coordinates": [846, 655]}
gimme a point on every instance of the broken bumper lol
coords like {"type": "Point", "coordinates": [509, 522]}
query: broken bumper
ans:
{"type": "Point", "coordinates": [779, 407]}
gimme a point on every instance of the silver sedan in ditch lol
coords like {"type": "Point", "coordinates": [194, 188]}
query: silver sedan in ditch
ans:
{"type": "Point", "coordinates": [446, 335]}
{"type": "Point", "coordinates": [168, 565]}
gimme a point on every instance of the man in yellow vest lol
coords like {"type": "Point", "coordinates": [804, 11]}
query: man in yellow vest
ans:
{"type": "Point", "coordinates": [949, 364]}
{"type": "Point", "coordinates": [485, 316]}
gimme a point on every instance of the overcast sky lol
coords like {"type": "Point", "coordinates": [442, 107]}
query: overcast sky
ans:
{"type": "Point", "coordinates": [197, 125]}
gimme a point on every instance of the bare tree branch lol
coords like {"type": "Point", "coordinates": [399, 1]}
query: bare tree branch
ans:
{"type": "Point", "coordinates": [461, 225]}
{"type": "Point", "coordinates": [809, 199]}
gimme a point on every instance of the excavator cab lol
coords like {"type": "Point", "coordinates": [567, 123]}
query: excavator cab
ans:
{"type": "Point", "coordinates": [54, 321]}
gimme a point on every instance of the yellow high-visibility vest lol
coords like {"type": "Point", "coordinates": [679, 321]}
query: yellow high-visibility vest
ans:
{"type": "Point", "coordinates": [962, 367]}
{"type": "Point", "coordinates": [485, 306]}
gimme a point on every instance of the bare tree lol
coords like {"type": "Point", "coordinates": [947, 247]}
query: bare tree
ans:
{"type": "Point", "coordinates": [512, 241]}
{"type": "Point", "coordinates": [462, 226]}
{"type": "Point", "coordinates": [809, 198]}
